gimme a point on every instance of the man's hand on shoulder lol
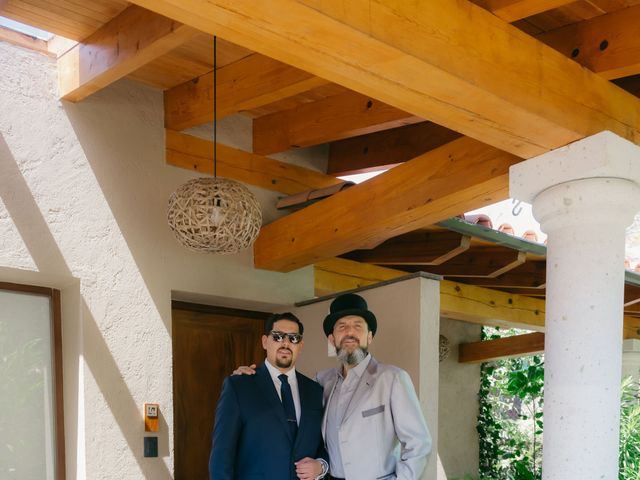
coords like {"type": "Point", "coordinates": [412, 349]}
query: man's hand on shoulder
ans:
{"type": "Point", "coordinates": [245, 370]}
{"type": "Point", "coordinates": [309, 469]}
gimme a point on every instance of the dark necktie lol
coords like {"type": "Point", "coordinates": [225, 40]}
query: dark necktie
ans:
{"type": "Point", "coordinates": [287, 403]}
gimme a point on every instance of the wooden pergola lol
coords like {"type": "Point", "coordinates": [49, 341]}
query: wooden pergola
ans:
{"type": "Point", "coordinates": [451, 93]}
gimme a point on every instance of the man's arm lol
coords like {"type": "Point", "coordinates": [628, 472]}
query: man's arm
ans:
{"type": "Point", "coordinates": [226, 433]}
{"type": "Point", "coordinates": [410, 428]}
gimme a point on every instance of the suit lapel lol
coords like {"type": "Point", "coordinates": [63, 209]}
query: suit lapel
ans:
{"type": "Point", "coordinates": [305, 402]}
{"type": "Point", "coordinates": [270, 395]}
{"type": "Point", "coordinates": [362, 390]}
{"type": "Point", "coordinates": [330, 386]}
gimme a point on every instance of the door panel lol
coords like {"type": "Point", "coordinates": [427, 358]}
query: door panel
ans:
{"type": "Point", "coordinates": [208, 344]}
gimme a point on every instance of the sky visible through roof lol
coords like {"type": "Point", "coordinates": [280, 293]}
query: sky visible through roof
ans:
{"type": "Point", "coordinates": [26, 29]}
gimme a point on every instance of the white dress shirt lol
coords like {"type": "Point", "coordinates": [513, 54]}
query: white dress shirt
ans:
{"type": "Point", "coordinates": [293, 383]}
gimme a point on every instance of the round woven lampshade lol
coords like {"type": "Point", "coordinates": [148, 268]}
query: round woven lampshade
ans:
{"type": "Point", "coordinates": [214, 215]}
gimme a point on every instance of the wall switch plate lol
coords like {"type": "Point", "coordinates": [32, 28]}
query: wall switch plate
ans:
{"type": "Point", "coordinates": [150, 446]}
{"type": "Point", "coordinates": [151, 415]}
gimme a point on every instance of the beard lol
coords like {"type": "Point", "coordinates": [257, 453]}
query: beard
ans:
{"type": "Point", "coordinates": [354, 357]}
{"type": "Point", "coordinates": [284, 362]}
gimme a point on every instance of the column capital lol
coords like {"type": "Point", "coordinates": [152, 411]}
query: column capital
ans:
{"type": "Point", "coordinates": [603, 155]}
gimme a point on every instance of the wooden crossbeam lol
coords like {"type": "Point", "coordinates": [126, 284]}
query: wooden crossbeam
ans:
{"type": "Point", "coordinates": [512, 10]}
{"type": "Point", "coordinates": [22, 40]}
{"type": "Point", "coordinates": [386, 149]}
{"type": "Point", "coordinates": [338, 275]}
{"type": "Point", "coordinates": [458, 301]}
{"type": "Point", "coordinates": [415, 248]}
{"type": "Point", "coordinates": [249, 83]}
{"type": "Point", "coordinates": [129, 41]}
{"type": "Point", "coordinates": [340, 116]}
{"type": "Point", "coordinates": [453, 63]}
{"type": "Point", "coordinates": [501, 348]}
{"type": "Point", "coordinates": [607, 44]}
{"type": "Point", "coordinates": [194, 153]}
{"type": "Point", "coordinates": [415, 194]}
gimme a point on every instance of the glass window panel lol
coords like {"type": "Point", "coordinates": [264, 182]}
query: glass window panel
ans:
{"type": "Point", "coordinates": [27, 428]}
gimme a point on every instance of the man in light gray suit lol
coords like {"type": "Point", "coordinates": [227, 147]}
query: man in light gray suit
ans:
{"type": "Point", "coordinates": [373, 425]}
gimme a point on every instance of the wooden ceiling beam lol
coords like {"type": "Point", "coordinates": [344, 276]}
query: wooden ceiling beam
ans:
{"type": "Point", "coordinates": [501, 348]}
{"type": "Point", "coordinates": [386, 149]}
{"type": "Point", "coordinates": [458, 301]}
{"type": "Point", "coordinates": [339, 275]}
{"type": "Point", "coordinates": [129, 41]}
{"type": "Point", "coordinates": [436, 60]}
{"type": "Point", "coordinates": [340, 116]}
{"type": "Point", "coordinates": [249, 83]}
{"type": "Point", "coordinates": [512, 10]}
{"type": "Point", "coordinates": [608, 44]}
{"type": "Point", "coordinates": [193, 153]}
{"type": "Point", "coordinates": [425, 247]}
{"type": "Point", "coordinates": [415, 194]}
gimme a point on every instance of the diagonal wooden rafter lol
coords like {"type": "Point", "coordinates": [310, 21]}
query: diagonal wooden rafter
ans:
{"type": "Point", "coordinates": [415, 194]}
{"type": "Point", "coordinates": [486, 262]}
{"type": "Point", "coordinates": [402, 53]}
{"type": "Point", "coordinates": [415, 248]}
{"type": "Point", "coordinates": [195, 153]}
{"type": "Point", "coordinates": [129, 41]}
{"type": "Point", "coordinates": [249, 83]}
{"type": "Point", "coordinates": [344, 115]}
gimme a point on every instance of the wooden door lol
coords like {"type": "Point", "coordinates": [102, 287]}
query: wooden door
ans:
{"type": "Point", "coordinates": [208, 343]}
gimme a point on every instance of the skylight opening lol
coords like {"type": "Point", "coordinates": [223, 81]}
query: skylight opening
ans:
{"type": "Point", "coordinates": [25, 29]}
{"type": "Point", "coordinates": [361, 177]}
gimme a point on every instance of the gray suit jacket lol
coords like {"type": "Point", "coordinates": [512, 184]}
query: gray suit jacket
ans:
{"type": "Point", "coordinates": [383, 433]}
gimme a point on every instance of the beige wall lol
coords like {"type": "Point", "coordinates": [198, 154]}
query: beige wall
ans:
{"type": "Point", "coordinates": [458, 403]}
{"type": "Point", "coordinates": [83, 195]}
{"type": "Point", "coordinates": [407, 336]}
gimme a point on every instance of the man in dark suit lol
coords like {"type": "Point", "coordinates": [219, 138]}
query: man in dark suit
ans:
{"type": "Point", "coordinates": [268, 425]}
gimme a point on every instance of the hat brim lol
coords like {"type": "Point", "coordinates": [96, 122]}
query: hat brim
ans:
{"type": "Point", "coordinates": [331, 319]}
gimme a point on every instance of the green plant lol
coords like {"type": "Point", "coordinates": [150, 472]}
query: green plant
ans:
{"type": "Point", "coordinates": [510, 416]}
{"type": "Point", "coordinates": [630, 431]}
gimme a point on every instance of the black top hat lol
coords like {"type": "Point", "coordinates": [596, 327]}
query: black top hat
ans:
{"type": "Point", "coordinates": [349, 304]}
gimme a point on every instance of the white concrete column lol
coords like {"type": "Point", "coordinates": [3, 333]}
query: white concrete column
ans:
{"type": "Point", "coordinates": [583, 195]}
{"type": "Point", "coordinates": [631, 359]}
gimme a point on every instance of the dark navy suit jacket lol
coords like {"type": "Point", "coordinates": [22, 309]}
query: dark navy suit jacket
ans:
{"type": "Point", "coordinates": [251, 439]}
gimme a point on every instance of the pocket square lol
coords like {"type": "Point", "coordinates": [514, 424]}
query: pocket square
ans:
{"type": "Point", "coordinates": [372, 411]}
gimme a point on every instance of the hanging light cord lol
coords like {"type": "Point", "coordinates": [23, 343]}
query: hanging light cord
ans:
{"type": "Point", "coordinates": [215, 96]}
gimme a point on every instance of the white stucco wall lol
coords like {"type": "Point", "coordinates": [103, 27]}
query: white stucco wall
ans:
{"type": "Point", "coordinates": [458, 403]}
{"type": "Point", "coordinates": [83, 193]}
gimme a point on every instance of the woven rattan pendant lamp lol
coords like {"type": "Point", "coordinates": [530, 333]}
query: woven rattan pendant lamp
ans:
{"type": "Point", "coordinates": [214, 214]}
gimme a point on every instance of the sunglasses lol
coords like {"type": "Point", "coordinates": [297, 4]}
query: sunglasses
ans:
{"type": "Point", "coordinates": [293, 338]}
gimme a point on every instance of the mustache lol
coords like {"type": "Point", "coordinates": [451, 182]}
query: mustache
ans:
{"type": "Point", "coordinates": [285, 349]}
{"type": "Point", "coordinates": [350, 337]}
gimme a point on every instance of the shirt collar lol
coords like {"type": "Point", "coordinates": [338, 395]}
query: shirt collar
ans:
{"type": "Point", "coordinates": [275, 373]}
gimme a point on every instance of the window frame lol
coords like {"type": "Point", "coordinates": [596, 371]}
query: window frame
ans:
{"type": "Point", "coordinates": [56, 361]}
